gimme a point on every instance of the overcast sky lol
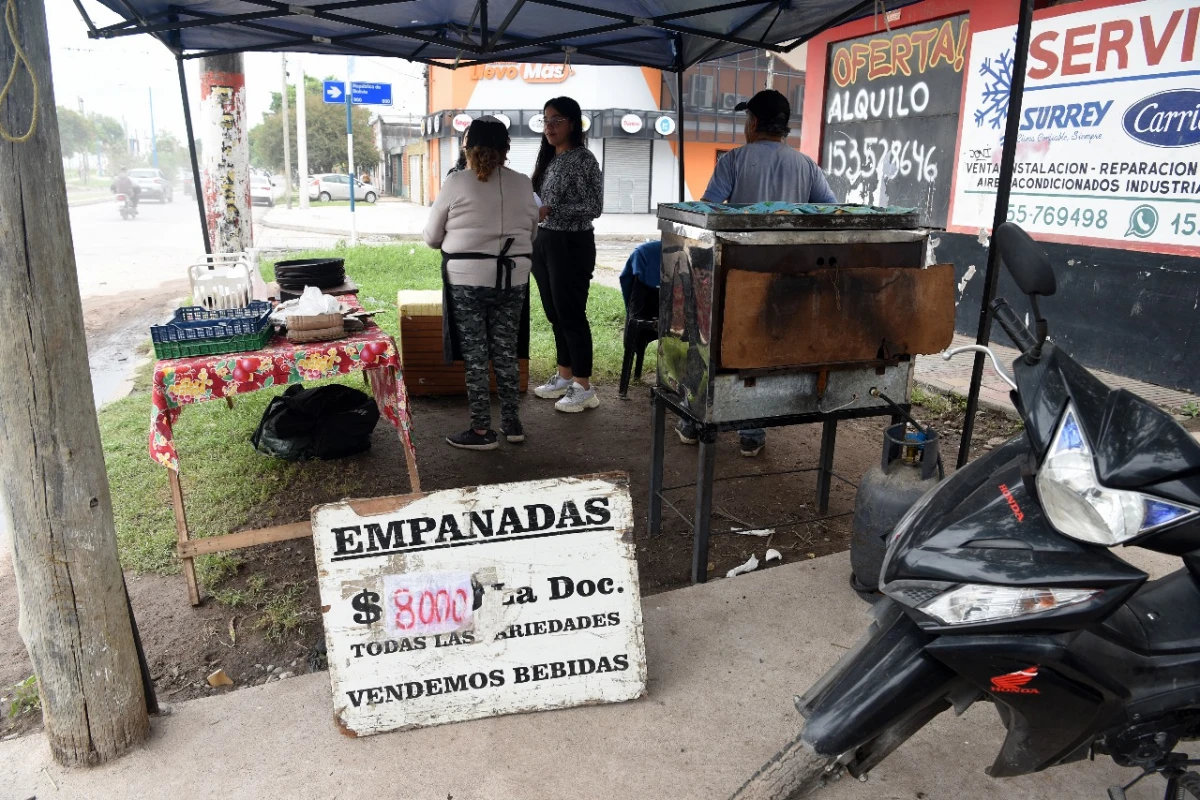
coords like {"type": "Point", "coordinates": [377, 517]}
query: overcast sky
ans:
{"type": "Point", "coordinates": [118, 76]}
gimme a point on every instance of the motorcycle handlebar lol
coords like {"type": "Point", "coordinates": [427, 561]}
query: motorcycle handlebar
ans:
{"type": "Point", "coordinates": [1012, 325]}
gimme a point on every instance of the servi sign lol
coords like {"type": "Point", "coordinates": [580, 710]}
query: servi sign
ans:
{"type": "Point", "coordinates": [1108, 148]}
{"type": "Point", "coordinates": [476, 602]}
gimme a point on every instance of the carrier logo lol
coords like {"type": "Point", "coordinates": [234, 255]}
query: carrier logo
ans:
{"type": "Point", "coordinates": [1014, 682]}
{"type": "Point", "coordinates": [1166, 119]}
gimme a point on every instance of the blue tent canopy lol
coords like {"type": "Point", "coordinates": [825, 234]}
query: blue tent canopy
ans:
{"type": "Point", "coordinates": [663, 34]}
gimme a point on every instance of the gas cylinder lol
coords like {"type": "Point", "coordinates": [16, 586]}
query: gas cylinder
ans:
{"type": "Point", "coordinates": [909, 468]}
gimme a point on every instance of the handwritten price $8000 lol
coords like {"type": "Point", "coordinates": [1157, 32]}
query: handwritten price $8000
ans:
{"type": "Point", "coordinates": [418, 604]}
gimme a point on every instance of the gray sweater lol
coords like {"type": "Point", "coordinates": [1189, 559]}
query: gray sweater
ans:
{"type": "Point", "coordinates": [474, 216]}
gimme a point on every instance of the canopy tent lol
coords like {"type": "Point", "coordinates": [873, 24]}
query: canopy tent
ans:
{"type": "Point", "coordinates": [662, 34]}
{"type": "Point", "coordinates": [669, 35]}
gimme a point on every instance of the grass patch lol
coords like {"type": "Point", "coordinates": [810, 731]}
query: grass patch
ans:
{"type": "Point", "coordinates": [24, 698]}
{"type": "Point", "coordinates": [1190, 409]}
{"type": "Point", "coordinates": [224, 479]}
{"type": "Point", "coordinates": [936, 402]}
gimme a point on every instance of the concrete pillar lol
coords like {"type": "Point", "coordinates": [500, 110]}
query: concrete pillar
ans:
{"type": "Point", "coordinates": [225, 166]}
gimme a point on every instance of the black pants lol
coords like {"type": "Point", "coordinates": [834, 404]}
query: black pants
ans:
{"type": "Point", "coordinates": [563, 263]}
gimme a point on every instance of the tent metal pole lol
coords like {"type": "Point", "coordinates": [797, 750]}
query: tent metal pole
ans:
{"type": "Point", "coordinates": [1004, 186]}
{"type": "Point", "coordinates": [191, 135]}
{"type": "Point", "coordinates": [679, 103]}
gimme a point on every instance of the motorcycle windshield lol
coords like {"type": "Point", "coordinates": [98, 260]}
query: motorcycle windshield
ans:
{"type": "Point", "coordinates": [1137, 445]}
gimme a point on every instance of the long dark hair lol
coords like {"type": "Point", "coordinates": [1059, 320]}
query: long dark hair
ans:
{"type": "Point", "coordinates": [569, 109]}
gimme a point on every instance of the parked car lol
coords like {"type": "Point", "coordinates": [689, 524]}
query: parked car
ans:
{"type": "Point", "coordinates": [186, 182]}
{"type": "Point", "coordinates": [337, 187]}
{"type": "Point", "coordinates": [153, 183]}
{"type": "Point", "coordinates": [262, 191]}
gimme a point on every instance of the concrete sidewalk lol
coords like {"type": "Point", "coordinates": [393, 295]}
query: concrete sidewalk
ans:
{"type": "Point", "coordinates": [955, 376]}
{"type": "Point", "coordinates": [401, 219]}
{"type": "Point", "coordinates": [725, 660]}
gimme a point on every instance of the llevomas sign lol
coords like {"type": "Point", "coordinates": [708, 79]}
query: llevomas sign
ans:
{"type": "Point", "coordinates": [530, 73]}
{"type": "Point", "coordinates": [476, 602]}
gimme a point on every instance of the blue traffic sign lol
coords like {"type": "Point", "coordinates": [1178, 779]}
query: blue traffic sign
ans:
{"type": "Point", "coordinates": [361, 93]}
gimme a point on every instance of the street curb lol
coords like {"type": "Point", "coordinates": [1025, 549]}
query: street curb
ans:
{"type": "Point", "coordinates": [946, 388]}
{"type": "Point", "coordinates": [95, 201]}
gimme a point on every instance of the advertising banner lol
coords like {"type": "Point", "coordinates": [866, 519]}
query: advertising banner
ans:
{"type": "Point", "coordinates": [1110, 127]}
{"type": "Point", "coordinates": [891, 116]}
{"type": "Point", "coordinates": [475, 602]}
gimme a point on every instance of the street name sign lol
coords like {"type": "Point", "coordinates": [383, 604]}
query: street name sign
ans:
{"type": "Point", "coordinates": [476, 602]}
{"type": "Point", "coordinates": [361, 93]}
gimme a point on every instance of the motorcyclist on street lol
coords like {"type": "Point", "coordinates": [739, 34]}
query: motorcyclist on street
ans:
{"type": "Point", "coordinates": [123, 184]}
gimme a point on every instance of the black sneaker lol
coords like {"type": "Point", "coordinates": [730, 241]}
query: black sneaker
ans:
{"type": "Point", "coordinates": [513, 431]}
{"type": "Point", "coordinates": [470, 440]}
{"type": "Point", "coordinates": [750, 447]}
{"type": "Point", "coordinates": [686, 432]}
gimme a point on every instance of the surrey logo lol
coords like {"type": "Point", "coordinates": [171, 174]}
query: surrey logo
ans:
{"type": "Point", "coordinates": [1015, 682]}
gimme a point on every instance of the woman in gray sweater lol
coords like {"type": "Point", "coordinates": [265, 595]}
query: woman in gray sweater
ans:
{"type": "Point", "coordinates": [484, 221]}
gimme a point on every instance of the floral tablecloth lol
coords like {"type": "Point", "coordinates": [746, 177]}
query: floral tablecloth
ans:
{"type": "Point", "coordinates": [183, 381]}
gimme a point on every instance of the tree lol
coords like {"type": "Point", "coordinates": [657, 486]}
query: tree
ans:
{"type": "Point", "coordinates": [75, 132]}
{"type": "Point", "coordinates": [326, 134]}
{"type": "Point", "coordinates": [172, 155]}
{"type": "Point", "coordinates": [110, 135]}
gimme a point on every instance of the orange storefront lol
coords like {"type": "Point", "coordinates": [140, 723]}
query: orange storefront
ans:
{"type": "Point", "coordinates": [630, 113]}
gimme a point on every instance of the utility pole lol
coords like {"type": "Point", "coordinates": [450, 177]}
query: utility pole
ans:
{"type": "Point", "coordinates": [153, 136]}
{"type": "Point", "coordinates": [226, 167]}
{"type": "Point", "coordinates": [287, 144]}
{"type": "Point", "coordinates": [350, 148]}
{"type": "Point", "coordinates": [302, 132]}
{"type": "Point", "coordinates": [54, 492]}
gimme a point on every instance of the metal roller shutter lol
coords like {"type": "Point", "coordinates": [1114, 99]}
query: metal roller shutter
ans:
{"type": "Point", "coordinates": [448, 154]}
{"type": "Point", "coordinates": [627, 176]}
{"type": "Point", "coordinates": [522, 155]}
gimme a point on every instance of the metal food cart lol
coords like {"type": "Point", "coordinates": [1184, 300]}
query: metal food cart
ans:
{"type": "Point", "coordinates": [785, 314]}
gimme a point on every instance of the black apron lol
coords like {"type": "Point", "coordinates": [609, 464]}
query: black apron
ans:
{"type": "Point", "coordinates": [451, 348]}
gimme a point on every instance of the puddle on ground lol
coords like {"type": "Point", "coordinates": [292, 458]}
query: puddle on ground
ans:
{"type": "Point", "coordinates": [116, 352]}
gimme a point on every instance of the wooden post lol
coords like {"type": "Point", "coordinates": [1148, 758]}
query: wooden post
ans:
{"type": "Point", "coordinates": [53, 487]}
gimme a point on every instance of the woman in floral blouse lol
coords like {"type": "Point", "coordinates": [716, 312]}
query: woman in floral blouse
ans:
{"type": "Point", "coordinates": [567, 178]}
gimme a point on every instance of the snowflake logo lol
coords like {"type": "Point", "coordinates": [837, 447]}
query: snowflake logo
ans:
{"type": "Point", "coordinates": [997, 87]}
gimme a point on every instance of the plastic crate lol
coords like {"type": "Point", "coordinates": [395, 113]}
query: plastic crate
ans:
{"type": "Point", "coordinates": [214, 347]}
{"type": "Point", "coordinates": [196, 324]}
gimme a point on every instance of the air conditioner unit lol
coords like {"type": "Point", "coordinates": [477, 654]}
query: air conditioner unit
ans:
{"type": "Point", "coordinates": [728, 101]}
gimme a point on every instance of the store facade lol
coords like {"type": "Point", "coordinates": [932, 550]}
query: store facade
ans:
{"type": "Point", "coordinates": [630, 118]}
{"type": "Point", "coordinates": [910, 108]}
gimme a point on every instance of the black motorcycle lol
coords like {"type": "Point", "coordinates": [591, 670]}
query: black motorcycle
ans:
{"type": "Point", "coordinates": [1001, 584]}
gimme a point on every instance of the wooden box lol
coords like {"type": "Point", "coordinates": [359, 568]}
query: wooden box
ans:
{"type": "Point", "coordinates": [420, 341]}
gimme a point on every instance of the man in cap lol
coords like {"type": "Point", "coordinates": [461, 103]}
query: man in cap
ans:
{"type": "Point", "coordinates": [765, 169]}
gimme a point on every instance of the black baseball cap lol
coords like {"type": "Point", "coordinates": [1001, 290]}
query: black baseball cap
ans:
{"type": "Point", "coordinates": [487, 132]}
{"type": "Point", "coordinates": [767, 106]}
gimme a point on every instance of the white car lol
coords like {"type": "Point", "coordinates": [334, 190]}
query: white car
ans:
{"type": "Point", "coordinates": [261, 191]}
{"type": "Point", "coordinates": [337, 187]}
{"type": "Point", "coordinates": [153, 183]}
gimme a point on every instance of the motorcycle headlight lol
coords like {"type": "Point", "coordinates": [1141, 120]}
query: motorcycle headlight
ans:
{"type": "Point", "coordinates": [1078, 506]}
{"type": "Point", "coordinates": [973, 603]}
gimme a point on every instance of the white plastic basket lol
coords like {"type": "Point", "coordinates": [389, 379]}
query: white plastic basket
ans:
{"type": "Point", "coordinates": [221, 281]}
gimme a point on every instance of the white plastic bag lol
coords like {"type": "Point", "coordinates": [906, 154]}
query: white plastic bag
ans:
{"type": "Point", "coordinates": [314, 302]}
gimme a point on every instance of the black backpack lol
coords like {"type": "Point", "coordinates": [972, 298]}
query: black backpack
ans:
{"type": "Point", "coordinates": [326, 422]}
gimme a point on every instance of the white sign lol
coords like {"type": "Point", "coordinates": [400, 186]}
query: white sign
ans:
{"type": "Point", "coordinates": [537, 123]}
{"type": "Point", "coordinates": [631, 123]}
{"type": "Point", "coordinates": [1109, 141]}
{"type": "Point", "coordinates": [503, 119]}
{"type": "Point", "coordinates": [664, 125]}
{"type": "Point", "coordinates": [461, 122]}
{"type": "Point", "coordinates": [476, 602]}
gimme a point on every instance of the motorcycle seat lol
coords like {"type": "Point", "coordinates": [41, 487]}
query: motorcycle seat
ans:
{"type": "Point", "coordinates": [1160, 617]}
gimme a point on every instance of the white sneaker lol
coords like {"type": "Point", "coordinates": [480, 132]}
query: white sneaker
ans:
{"type": "Point", "coordinates": [553, 388]}
{"type": "Point", "coordinates": [577, 399]}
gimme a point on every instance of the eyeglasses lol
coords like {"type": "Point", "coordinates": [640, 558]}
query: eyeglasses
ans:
{"type": "Point", "coordinates": [551, 122]}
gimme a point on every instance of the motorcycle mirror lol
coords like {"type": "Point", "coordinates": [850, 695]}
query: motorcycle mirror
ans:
{"type": "Point", "coordinates": [1026, 261]}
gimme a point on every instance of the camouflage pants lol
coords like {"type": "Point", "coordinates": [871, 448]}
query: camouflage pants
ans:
{"type": "Point", "coordinates": [488, 322]}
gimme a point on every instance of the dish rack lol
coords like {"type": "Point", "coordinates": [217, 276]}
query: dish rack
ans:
{"type": "Point", "coordinates": [196, 331]}
{"type": "Point", "coordinates": [221, 281]}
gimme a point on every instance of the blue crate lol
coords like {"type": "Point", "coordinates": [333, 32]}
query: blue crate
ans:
{"type": "Point", "coordinates": [194, 323]}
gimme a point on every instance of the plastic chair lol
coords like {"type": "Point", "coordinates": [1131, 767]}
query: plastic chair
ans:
{"type": "Point", "coordinates": [641, 328]}
{"type": "Point", "coordinates": [221, 281]}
